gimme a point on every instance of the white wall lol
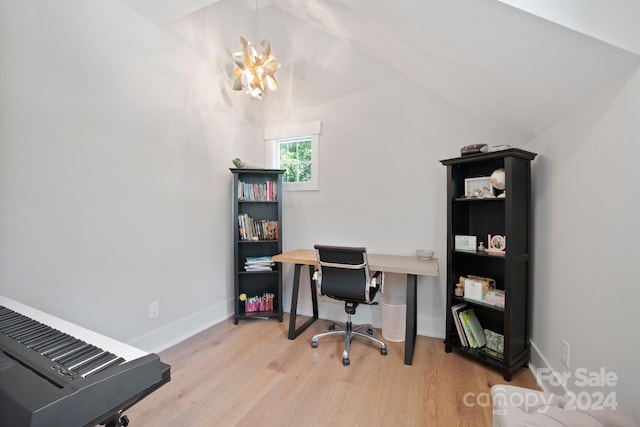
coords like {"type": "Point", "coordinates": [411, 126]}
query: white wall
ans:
{"type": "Point", "coordinates": [586, 226]}
{"type": "Point", "coordinates": [381, 183]}
{"type": "Point", "coordinates": [586, 219]}
{"type": "Point", "coordinates": [114, 182]}
{"type": "Point", "coordinates": [116, 139]}
{"type": "Point", "coordinates": [612, 21]}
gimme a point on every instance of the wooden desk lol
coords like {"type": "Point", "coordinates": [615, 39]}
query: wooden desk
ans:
{"type": "Point", "coordinates": [409, 265]}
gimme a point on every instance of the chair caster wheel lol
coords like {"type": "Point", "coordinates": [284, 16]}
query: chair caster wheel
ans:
{"type": "Point", "coordinates": [370, 331]}
{"type": "Point", "coordinates": [383, 351]}
{"type": "Point", "coordinates": [346, 361]}
{"type": "Point", "coordinates": [314, 344]}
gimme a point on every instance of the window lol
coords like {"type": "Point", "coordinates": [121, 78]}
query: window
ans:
{"type": "Point", "coordinates": [294, 148]}
{"type": "Point", "coordinates": [295, 159]}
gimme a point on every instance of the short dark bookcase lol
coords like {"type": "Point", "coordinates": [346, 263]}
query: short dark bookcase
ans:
{"type": "Point", "coordinates": [256, 283]}
{"type": "Point", "coordinates": [509, 216]}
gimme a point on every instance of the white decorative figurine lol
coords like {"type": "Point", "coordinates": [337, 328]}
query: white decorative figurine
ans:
{"type": "Point", "coordinates": [242, 165]}
{"type": "Point", "coordinates": [498, 181]}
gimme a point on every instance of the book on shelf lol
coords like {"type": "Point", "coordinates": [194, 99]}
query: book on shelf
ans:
{"type": "Point", "coordinates": [258, 268]}
{"type": "Point", "coordinates": [492, 353]}
{"type": "Point", "coordinates": [257, 229]}
{"type": "Point", "coordinates": [258, 304]}
{"type": "Point", "coordinates": [258, 192]}
{"type": "Point", "coordinates": [472, 328]}
{"type": "Point", "coordinates": [259, 259]}
{"type": "Point", "coordinates": [494, 297]}
{"type": "Point", "coordinates": [495, 341]}
{"type": "Point", "coordinates": [258, 263]}
{"type": "Point", "coordinates": [465, 327]}
{"type": "Point", "coordinates": [456, 319]}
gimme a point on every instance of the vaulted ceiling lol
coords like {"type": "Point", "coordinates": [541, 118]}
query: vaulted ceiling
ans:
{"type": "Point", "coordinates": [505, 66]}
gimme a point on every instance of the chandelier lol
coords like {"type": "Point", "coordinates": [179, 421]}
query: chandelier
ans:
{"type": "Point", "coordinates": [254, 72]}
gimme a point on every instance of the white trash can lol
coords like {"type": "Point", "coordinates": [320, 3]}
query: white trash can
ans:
{"type": "Point", "coordinates": [393, 318]}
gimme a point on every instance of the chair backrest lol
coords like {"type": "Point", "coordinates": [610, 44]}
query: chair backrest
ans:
{"type": "Point", "coordinates": [344, 273]}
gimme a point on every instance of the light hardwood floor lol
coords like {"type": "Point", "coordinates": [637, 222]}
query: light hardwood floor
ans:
{"type": "Point", "coordinates": [251, 375]}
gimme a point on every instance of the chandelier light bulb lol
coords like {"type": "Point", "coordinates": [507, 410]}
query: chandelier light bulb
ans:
{"type": "Point", "coordinates": [254, 71]}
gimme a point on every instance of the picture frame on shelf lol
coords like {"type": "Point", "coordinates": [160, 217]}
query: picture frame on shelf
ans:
{"type": "Point", "coordinates": [465, 243]}
{"type": "Point", "coordinates": [473, 290]}
{"type": "Point", "coordinates": [478, 188]}
{"type": "Point", "coordinates": [497, 244]}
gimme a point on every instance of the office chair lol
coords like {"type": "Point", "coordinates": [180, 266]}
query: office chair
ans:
{"type": "Point", "coordinates": [343, 274]}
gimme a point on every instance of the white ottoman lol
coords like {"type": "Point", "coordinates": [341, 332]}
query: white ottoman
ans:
{"type": "Point", "coordinates": [517, 406]}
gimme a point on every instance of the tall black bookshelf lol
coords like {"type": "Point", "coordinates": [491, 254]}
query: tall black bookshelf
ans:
{"type": "Point", "coordinates": [508, 216]}
{"type": "Point", "coordinates": [257, 230]}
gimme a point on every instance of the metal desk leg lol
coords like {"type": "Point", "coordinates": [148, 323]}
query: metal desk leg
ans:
{"type": "Point", "coordinates": [293, 332]}
{"type": "Point", "coordinates": [411, 319]}
{"type": "Point", "coordinates": [314, 293]}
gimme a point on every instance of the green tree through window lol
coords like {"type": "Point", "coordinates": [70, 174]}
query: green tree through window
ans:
{"type": "Point", "coordinates": [294, 148]}
{"type": "Point", "coordinates": [295, 159]}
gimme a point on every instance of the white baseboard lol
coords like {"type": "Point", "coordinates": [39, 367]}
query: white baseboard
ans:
{"type": "Point", "coordinates": [539, 364]}
{"type": "Point", "coordinates": [173, 333]}
{"type": "Point", "coordinates": [176, 332]}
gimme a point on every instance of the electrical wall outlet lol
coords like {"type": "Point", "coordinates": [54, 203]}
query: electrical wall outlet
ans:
{"type": "Point", "coordinates": [565, 353]}
{"type": "Point", "coordinates": [154, 309]}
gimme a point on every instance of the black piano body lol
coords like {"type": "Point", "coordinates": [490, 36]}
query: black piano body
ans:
{"type": "Point", "coordinates": [37, 391]}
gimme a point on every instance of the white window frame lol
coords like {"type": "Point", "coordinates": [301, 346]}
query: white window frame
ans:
{"type": "Point", "coordinates": [287, 133]}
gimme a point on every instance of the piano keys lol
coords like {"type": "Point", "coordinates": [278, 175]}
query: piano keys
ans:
{"type": "Point", "coordinates": [55, 373]}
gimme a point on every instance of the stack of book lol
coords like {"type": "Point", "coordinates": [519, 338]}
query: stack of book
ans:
{"type": "Point", "coordinates": [470, 331]}
{"type": "Point", "coordinates": [258, 263]}
{"type": "Point", "coordinates": [494, 297]}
